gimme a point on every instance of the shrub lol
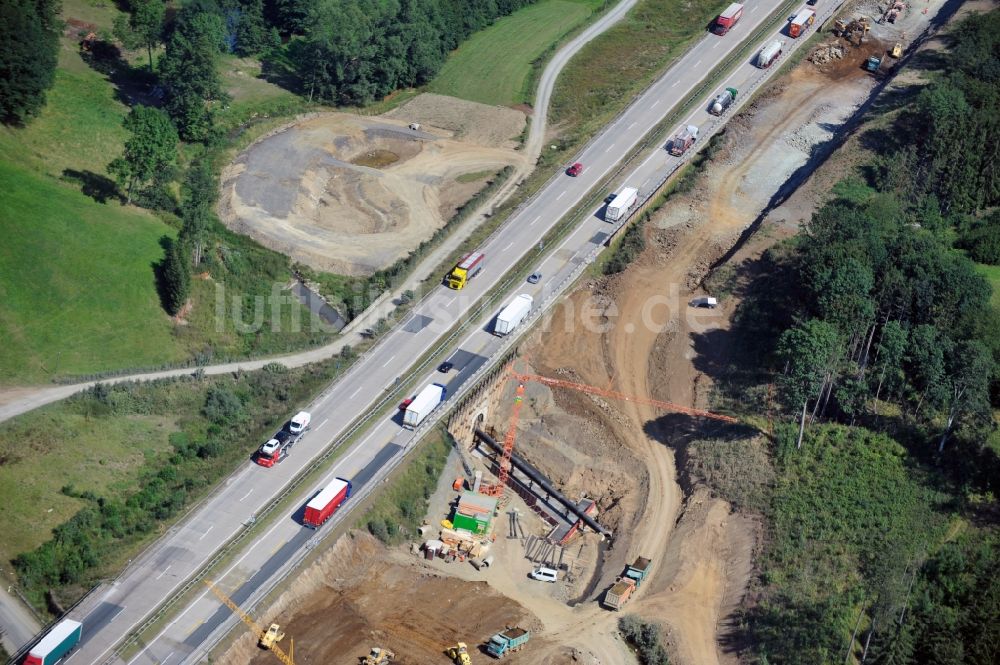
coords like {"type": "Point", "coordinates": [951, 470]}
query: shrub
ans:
{"type": "Point", "coordinates": [644, 636]}
{"type": "Point", "coordinates": [222, 406]}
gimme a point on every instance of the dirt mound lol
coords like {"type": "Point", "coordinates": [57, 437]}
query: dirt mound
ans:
{"type": "Point", "coordinates": [351, 194]}
{"type": "Point", "coordinates": [360, 595]}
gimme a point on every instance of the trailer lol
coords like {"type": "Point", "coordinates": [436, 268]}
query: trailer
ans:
{"type": "Point", "coordinates": [426, 401]}
{"type": "Point", "coordinates": [621, 204]}
{"type": "Point", "coordinates": [723, 101]}
{"type": "Point", "coordinates": [725, 21]}
{"type": "Point", "coordinates": [767, 55]}
{"type": "Point", "coordinates": [323, 505]}
{"type": "Point", "coordinates": [512, 639]}
{"type": "Point", "coordinates": [801, 22]}
{"type": "Point", "coordinates": [683, 140]}
{"type": "Point", "coordinates": [512, 315]}
{"type": "Point", "coordinates": [57, 643]}
{"type": "Point", "coordinates": [619, 593]}
{"type": "Point", "coordinates": [467, 268]}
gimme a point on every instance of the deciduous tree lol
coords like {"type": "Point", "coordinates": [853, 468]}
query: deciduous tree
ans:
{"type": "Point", "coordinates": [151, 147]}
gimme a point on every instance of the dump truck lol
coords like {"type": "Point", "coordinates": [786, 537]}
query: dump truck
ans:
{"type": "Point", "coordinates": [801, 22]}
{"type": "Point", "coordinates": [57, 643]}
{"type": "Point", "coordinates": [621, 204]}
{"type": "Point", "coordinates": [512, 639]}
{"type": "Point", "coordinates": [426, 401]}
{"type": "Point", "coordinates": [619, 593]}
{"type": "Point", "coordinates": [512, 315]}
{"type": "Point", "coordinates": [683, 140]}
{"type": "Point", "coordinates": [270, 637]}
{"type": "Point", "coordinates": [326, 502]}
{"type": "Point", "coordinates": [767, 55]}
{"type": "Point", "coordinates": [467, 268]}
{"type": "Point", "coordinates": [873, 63]}
{"type": "Point", "coordinates": [725, 21]}
{"type": "Point", "coordinates": [639, 570]}
{"type": "Point", "coordinates": [626, 584]}
{"type": "Point", "coordinates": [723, 101]}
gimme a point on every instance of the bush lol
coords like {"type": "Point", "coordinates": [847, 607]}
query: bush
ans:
{"type": "Point", "coordinates": [222, 406]}
{"type": "Point", "coordinates": [644, 636]}
{"type": "Point", "coordinates": [982, 241]}
{"type": "Point", "coordinates": [738, 470]}
{"type": "Point", "coordinates": [632, 243]}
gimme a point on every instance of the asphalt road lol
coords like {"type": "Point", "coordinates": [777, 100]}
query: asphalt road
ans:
{"type": "Point", "coordinates": [112, 614]}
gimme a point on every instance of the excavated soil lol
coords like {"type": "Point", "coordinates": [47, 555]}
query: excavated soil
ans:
{"type": "Point", "coordinates": [352, 194]}
{"type": "Point", "coordinates": [363, 596]}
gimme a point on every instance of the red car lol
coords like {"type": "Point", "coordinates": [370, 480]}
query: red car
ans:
{"type": "Point", "coordinates": [575, 170]}
{"type": "Point", "coordinates": [405, 403]}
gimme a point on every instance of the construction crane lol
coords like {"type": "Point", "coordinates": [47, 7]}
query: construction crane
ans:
{"type": "Point", "coordinates": [508, 447]}
{"type": "Point", "coordinates": [260, 633]}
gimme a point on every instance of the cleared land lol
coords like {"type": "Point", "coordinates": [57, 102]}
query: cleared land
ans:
{"type": "Point", "coordinates": [351, 194]}
{"type": "Point", "coordinates": [494, 65]}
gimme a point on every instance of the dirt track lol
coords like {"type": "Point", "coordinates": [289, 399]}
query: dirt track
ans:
{"type": "Point", "coordinates": [351, 194]}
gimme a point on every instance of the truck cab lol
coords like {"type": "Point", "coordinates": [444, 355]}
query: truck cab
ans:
{"type": "Point", "coordinates": [467, 268]}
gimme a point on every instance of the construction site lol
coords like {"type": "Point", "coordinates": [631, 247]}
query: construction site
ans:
{"type": "Point", "coordinates": [566, 500]}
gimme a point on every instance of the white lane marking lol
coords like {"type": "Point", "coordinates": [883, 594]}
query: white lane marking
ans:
{"type": "Point", "coordinates": [245, 495]}
{"type": "Point", "coordinates": [451, 300]}
{"type": "Point", "coordinates": [655, 102]}
{"type": "Point", "coordinates": [356, 391]}
{"type": "Point", "coordinates": [561, 194]}
{"type": "Point", "coordinates": [608, 149]}
{"type": "Point", "coordinates": [535, 220]}
{"type": "Point", "coordinates": [323, 423]}
{"type": "Point", "coordinates": [120, 610]}
{"type": "Point", "coordinates": [509, 245]}
{"type": "Point", "coordinates": [164, 571]}
{"type": "Point", "coordinates": [674, 83]}
{"type": "Point", "coordinates": [696, 64]}
{"type": "Point", "coordinates": [715, 44]}
{"type": "Point", "coordinates": [206, 532]}
{"type": "Point", "coordinates": [632, 125]}
{"type": "Point", "coordinates": [391, 358]}
{"type": "Point", "coordinates": [169, 656]}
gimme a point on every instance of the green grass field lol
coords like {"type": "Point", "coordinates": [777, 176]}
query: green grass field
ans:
{"type": "Point", "coordinates": [78, 292]}
{"type": "Point", "coordinates": [992, 273]}
{"type": "Point", "coordinates": [494, 65]}
{"type": "Point", "coordinates": [102, 455]}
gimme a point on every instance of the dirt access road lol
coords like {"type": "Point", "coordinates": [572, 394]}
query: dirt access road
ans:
{"type": "Point", "coordinates": [642, 338]}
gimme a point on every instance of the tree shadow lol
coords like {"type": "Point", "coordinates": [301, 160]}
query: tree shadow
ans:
{"type": "Point", "coordinates": [132, 85]}
{"type": "Point", "coordinates": [159, 279]}
{"type": "Point", "coordinates": [96, 186]}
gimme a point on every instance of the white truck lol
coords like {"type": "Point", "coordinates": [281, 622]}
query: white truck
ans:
{"type": "Point", "coordinates": [299, 423]}
{"type": "Point", "coordinates": [768, 54]}
{"type": "Point", "coordinates": [621, 204]}
{"type": "Point", "coordinates": [426, 401]}
{"type": "Point", "coordinates": [512, 315]}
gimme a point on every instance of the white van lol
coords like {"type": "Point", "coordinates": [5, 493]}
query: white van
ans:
{"type": "Point", "coordinates": [543, 574]}
{"type": "Point", "coordinates": [299, 423]}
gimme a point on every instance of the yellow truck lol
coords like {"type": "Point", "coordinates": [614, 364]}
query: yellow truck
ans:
{"type": "Point", "coordinates": [467, 268]}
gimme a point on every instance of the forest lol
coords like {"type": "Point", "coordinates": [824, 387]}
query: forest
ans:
{"type": "Point", "coordinates": [878, 326]}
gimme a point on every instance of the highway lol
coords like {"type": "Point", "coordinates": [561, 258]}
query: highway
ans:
{"type": "Point", "coordinates": [109, 616]}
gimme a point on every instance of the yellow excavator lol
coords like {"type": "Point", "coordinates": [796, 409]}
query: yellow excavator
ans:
{"type": "Point", "coordinates": [460, 654]}
{"type": "Point", "coordinates": [379, 656]}
{"type": "Point", "coordinates": [270, 637]}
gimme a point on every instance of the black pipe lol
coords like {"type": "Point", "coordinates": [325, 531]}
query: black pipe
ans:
{"type": "Point", "coordinates": [537, 477]}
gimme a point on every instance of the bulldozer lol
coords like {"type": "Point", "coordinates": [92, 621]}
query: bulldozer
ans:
{"type": "Point", "coordinates": [270, 637]}
{"type": "Point", "coordinates": [460, 654]}
{"type": "Point", "coordinates": [378, 656]}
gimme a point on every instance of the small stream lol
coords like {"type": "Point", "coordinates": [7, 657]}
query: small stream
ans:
{"type": "Point", "coordinates": [315, 304]}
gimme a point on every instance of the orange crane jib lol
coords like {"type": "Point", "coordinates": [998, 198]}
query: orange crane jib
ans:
{"type": "Point", "coordinates": [582, 387]}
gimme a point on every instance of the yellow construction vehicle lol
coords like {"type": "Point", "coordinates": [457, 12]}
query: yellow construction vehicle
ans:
{"type": "Point", "coordinates": [285, 658]}
{"type": "Point", "coordinates": [460, 654]}
{"type": "Point", "coordinates": [270, 637]}
{"type": "Point", "coordinates": [379, 656]}
{"type": "Point", "coordinates": [897, 50]}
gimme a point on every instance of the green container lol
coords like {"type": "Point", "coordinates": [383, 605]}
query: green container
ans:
{"type": "Point", "coordinates": [476, 526]}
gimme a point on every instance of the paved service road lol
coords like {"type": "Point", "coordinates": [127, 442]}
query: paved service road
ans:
{"type": "Point", "coordinates": [115, 611]}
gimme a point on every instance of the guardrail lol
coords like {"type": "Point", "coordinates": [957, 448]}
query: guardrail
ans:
{"type": "Point", "coordinates": [488, 301]}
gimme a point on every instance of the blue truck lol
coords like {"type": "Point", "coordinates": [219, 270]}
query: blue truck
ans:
{"type": "Point", "coordinates": [512, 639]}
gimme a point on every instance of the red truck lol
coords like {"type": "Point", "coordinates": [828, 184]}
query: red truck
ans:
{"type": "Point", "coordinates": [725, 21]}
{"type": "Point", "coordinates": [276, 449]}
{"type": "Point", "coordinates": [323, 505]}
